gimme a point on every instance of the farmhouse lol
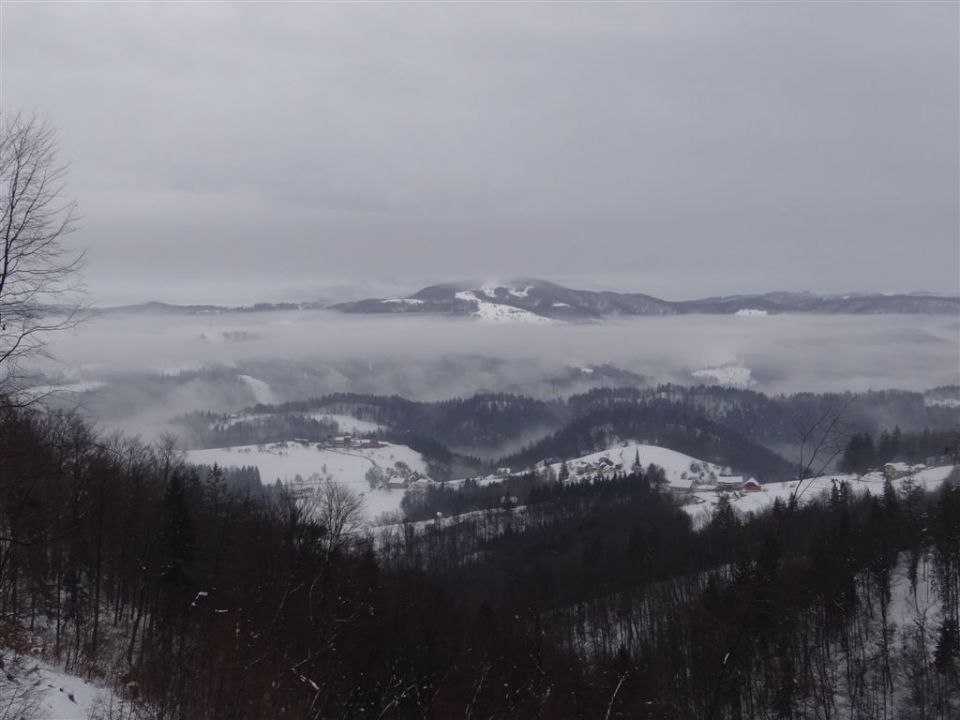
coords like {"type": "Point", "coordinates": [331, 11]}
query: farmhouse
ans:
{"type": "Point", "coordinates": [370, 444]}
{"type": "Point", "coordinates": [895, 470]}
{"type": "Point", "coordinates": [730, 483]}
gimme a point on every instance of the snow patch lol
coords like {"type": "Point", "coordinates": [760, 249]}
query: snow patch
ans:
{"type": "Point", "coordinates": [496, 312]}
{"type": "Point", "coordinates": [942, 402]}
{"type": "Point", "coordinates": [349, 424]}
{"type": "Point", "coordinates": [403, 301]}
{"type": "Point", "coordinates": [41, 691]}
{"type": "Point", "coordinates": [750, 312]}
{"type": "Point", "coordinates": [261, 391]}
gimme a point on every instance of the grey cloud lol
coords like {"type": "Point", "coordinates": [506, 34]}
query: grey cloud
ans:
{"type": "Point", "coordinates": [678, 149]}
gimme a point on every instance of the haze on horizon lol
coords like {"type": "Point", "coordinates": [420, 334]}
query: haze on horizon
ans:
{"type": "Point", "coordinates": [247, 152]}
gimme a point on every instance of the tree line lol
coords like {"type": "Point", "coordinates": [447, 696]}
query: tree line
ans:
{"type": "Point", "coordinates": [861, 454]}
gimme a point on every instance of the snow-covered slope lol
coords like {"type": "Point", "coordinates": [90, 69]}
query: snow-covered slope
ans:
{"type": "Point", "coordinates": [285, 461]}
{"type": "Point", "coordinates": [31, 688]}
{"type": "Point", "coordinates": [682, 471]}
{"type": "Point", "coordinates": [490, 311]}
{"type": "Point", "coordinates": [810, 489]}
{"type": "Point", "coordinates": [696, 480]}
{"type": "Point", "coordinates": [261, 390]}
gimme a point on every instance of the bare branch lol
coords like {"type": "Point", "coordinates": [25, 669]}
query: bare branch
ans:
{"type": "Point", "coordinates": [39, 275]}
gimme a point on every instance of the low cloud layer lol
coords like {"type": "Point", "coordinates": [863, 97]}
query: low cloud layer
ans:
{"type": "Point", "coordinates": [784, 352]}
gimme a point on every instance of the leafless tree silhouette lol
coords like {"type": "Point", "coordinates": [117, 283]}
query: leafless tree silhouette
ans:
{"type": "Point", "coordinates": [39, 275]}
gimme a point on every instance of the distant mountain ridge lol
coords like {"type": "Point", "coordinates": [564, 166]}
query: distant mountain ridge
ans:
{"type": "Point", "coordinates": [539, 299]}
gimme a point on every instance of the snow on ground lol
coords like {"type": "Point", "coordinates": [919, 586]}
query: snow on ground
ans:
{"type": "Point", "coordinates": [261, 391]}
{"type": "Point", "coordinates": [728, 375]}
{"type": "Point", "coordinates": [942, 402]}
{"type": "Point", "coordinates": [750, 312]}
{"type": "Point", "coordinates": [491, 291]}
{"type": "Point", "coordinates": [495, 312]}
{"type": "Point", "coordinates": [681, 470]}
{"type": "Point", "coordinates": [808, 490]}
{"type": "Point", "coordinates": [403, 301]}
{"type": "Point", "coordinates": [284, 461]}
{"type": "Point", "coordinates": [42, 692]}
{"type": "Point", "coordinates": [234, 419]}
{"type": "Point", "coordinates": [349, 424]}
{"type": "Point", "coordinates": [686, 474]}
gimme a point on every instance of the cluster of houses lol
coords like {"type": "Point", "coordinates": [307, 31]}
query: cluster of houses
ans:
{"type": "Point", "coordinates": [349, 442]}
{"type": "Point", "coordinates": [341, 442]}
{"type": "Point", "coordinates": [686, 487]}
{"type": "Point", "coordinates": [603, 466]}
{"type": "Point", "coordinates": [737, 483]}
{"type": "Point", "coordinates": [698, 479]}
{"type": "Point", "coordinates": [400, 481]}
{"type": "Point", "coordinates": [398, 476]}
{"type": "Point", "coordinates": [897, 470]}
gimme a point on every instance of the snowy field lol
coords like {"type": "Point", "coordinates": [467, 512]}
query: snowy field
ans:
{"type": "Point", "coordinates": [285, 461]}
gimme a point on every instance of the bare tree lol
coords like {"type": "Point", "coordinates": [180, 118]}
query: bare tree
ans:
{"type": "Point", "coordinates": [338, 509]}
{"type": "Point", "coordinates": [37, 271]}
{"type": "Point", "coordinates": [822, 433]}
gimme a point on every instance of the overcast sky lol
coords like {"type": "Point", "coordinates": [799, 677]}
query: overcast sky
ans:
{"type": "Point", "coordinates": [239, 152]}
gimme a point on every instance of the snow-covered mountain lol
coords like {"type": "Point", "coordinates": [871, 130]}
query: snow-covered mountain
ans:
{"type": "Point", "coordinates": [536, 300]}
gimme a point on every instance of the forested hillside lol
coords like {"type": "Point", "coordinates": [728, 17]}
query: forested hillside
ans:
{"type": "Point", "coordinates": [746, 430]}
{"type": "Point", "coordinates": [197, 594]}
